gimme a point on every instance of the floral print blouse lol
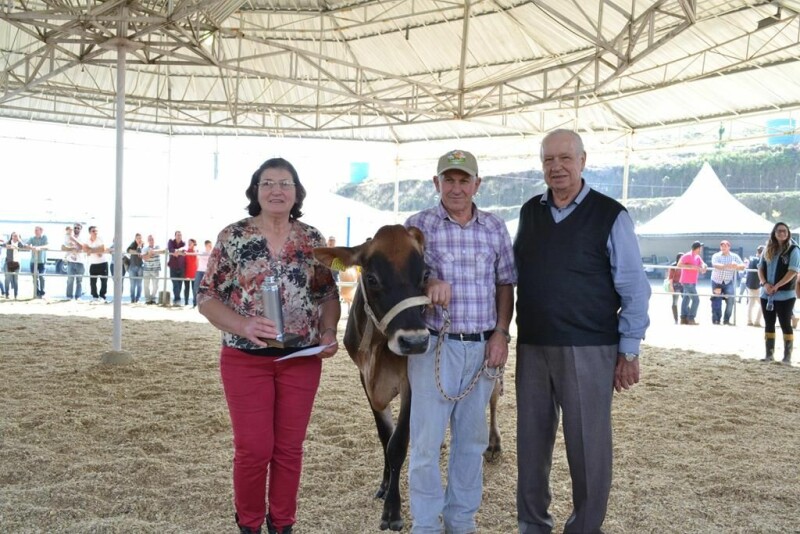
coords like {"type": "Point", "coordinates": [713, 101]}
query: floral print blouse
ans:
{"type": "Point", "coordinates": [240, 262]}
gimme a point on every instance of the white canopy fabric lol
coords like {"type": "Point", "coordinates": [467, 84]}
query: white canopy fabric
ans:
{"type": "Point", "coordinates": [706, 207]}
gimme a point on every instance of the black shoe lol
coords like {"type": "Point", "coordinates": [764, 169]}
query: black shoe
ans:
{"type": "Point", "coordinates": [246, 530]}
{"type": "Point", "coordinates": [272, 529]}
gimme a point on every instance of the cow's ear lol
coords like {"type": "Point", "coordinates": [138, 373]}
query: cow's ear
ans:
{"type": "Point", "coordinates": [417, 234]}
{"type": "Point", "coordinates": [337, 258]}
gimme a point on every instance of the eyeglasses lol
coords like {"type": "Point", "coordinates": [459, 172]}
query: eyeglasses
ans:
{"type": "Point", "coordinates": [271, 184]}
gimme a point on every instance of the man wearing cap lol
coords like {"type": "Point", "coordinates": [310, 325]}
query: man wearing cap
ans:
{"type": "Point", "coordinates": [691, 265]}
{"type": "Point", "coordinates": [472, 275]}
{"type": "Point", "coordinates": [725, 265]}
{"type": "Point", "coordinates": [753, 286]}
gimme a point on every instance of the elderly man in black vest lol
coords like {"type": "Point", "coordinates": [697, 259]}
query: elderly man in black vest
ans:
{"type": "Point", "coordinates": [582, 304]}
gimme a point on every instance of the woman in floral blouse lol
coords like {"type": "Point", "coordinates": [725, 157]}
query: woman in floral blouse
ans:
{"type": "Point", "coordinates": [269, 402]}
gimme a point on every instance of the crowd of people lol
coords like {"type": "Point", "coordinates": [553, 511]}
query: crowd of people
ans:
{"type": "Point", "coordinates": [575, 246]}
{"type": "Point", "coordinates": [141, 264]}
{"type": "Point", "coordinates": [581, 313]}
{"type": "Point", "coordinates": [770, 278]}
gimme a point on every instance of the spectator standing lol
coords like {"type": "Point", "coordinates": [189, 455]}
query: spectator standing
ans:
{"type": "Point", "coordinates": [191, 271]}
{"type": "Point", "coordinates": [12, 264]}
{"type": "Point", "coordinates": [582, 303]}
{"type": "Point", "coordinates": [177, 266]}
{"type": "Point", "coordinates": [753, 289]}
{"type": "Point", "coordinates": [98, 265]}
{"type": "Point", "coordinates": [2, 266]}
{"type": "Point", "coordinates": [472, 276]}
{"type": "Point", "coordinates": [73, 245]}
{"type": "Point", "coordinates": [692, 265]}
{"type": "Point", "coordinates": [136, 267]}
{"type": "Point", "coordinates": [202, 264]}
{"type": "Point", "coordinates": [777, 272]}
{"type": "Point", "coordinates": [675, 287]}
{"type": "Point", "coordinates": [151, 269]}
{"type": "Point", "coordinates": [725, 264]}
{"type": "Point", "coordinates": [38, 247]}
{"type": "Point", "coordinates": [269, 402]}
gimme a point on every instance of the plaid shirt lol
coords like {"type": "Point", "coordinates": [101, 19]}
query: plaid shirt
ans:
{"type": "Point", "coordinates": [474, 259]}
{"type": "Point", "coordinates": [721, 276]}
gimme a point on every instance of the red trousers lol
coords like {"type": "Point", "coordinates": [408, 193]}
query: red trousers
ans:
{"type": "Point", "coordinates": [270, 407]}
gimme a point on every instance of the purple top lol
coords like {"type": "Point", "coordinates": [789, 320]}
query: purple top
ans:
{"type": "Point", "coordinates": [474, 259]}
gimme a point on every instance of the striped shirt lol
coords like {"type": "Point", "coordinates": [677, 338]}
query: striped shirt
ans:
{"type": "Point", "coordinates": [723, 276]}
{"type": "Point", "coordinates": [152, 265]}
{"type": "Point", "coordinates": [473, 259]}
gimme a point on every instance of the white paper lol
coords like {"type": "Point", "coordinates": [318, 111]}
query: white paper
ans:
{"type": "Point", "coordinates": [310, 351]}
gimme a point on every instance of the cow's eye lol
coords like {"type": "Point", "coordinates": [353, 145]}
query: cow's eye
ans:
{"type": "Point", "coordinates": [425, 276]}
{"type": "Point", "coordinates": [372, 280]}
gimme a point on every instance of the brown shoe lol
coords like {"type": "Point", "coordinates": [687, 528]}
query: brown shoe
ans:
{"type": "Point", "coordinates": [692, 322]}
{"type": "Point", "coordinates": [684, 320]}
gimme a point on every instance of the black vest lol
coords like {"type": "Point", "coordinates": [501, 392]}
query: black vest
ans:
{"type": "Point", "coordinates": [565, 293]}
{"type": "Point", "coordinates": [783, 267]}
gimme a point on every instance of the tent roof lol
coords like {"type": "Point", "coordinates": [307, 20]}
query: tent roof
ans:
{"type": "Point", "coordinates": [706, 207]}
{"type": "Point", "coordinates": [399, 70]}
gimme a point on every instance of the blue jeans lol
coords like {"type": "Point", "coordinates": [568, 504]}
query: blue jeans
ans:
{"type": "Point", "coordinates": [716, 302]}
{"type": "Point", "coordinates": [75, 272]}
{"type": "Point", "coordinates": [176, 285]}
{"type": "Point", "coordinates": [690, 301]}
{"type": "Point", "coordinates": [430, 416]}
{"type": "Point", "coordinates": [12, 281]}
{"type": "Point", "coordinates": [198, 277]}
{"type": "Point", "coordinates": [38, 279]}
{"type": "Point", "coordinates": [135, 273]}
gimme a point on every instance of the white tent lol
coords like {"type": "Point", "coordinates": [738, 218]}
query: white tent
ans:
{"type": "Point", "coordinates": [706, 207]}
{"type": "Point", "coordinates": [706, 212]}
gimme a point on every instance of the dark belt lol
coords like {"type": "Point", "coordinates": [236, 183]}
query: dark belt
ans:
{"type": "Point", "coordinates": [480, 336]}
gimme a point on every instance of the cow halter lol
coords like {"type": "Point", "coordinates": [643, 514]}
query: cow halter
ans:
{"type": "Point", "coordinates": [410, 302]}
{"type": "Point", "coordinates": [391, 314]}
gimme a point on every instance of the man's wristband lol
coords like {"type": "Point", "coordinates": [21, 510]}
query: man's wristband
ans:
{"type": "Point", "coordinates": [330, 328]}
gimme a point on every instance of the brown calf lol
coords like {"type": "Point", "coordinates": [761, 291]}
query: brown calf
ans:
{"type": "Point", "coordinates": [391, 292]}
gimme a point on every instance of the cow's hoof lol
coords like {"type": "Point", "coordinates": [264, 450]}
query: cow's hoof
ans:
{"type": "Point", "coordinates": [396, 524]}
{"type": "Point", "coordinates": [492, 454]}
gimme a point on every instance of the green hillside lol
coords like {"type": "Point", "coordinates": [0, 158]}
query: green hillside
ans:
{"type": "Point", "coordinates": [764, 178]}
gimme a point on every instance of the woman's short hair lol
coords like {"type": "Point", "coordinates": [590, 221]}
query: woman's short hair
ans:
{"type": "Point", "coordinates": [254, 208]}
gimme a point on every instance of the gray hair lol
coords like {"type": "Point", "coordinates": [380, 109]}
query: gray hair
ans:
{"type": "Point", "coordinates": [573, 133]}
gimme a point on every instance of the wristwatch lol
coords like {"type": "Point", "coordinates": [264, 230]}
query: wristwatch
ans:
{"type": "Point", "coordinates": [629, 356]}
{"type": "Point", "coordinates": [504, 332]}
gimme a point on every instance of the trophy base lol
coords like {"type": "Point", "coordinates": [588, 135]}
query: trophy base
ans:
{"type": "Point", "coordinates": [288, 341]}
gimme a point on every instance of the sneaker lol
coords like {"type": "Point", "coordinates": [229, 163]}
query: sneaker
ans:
{"type": "Point", "coordinates": [749, 323]}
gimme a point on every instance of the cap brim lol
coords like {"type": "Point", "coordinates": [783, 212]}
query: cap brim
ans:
{"type": "Point", "coordinates": [461, 168]}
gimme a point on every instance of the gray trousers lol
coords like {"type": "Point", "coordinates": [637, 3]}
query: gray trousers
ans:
{"type": "Point", "coordinates": [577, 381]}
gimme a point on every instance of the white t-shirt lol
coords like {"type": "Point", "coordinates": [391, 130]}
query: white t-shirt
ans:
{"type": "Point", "coordinates": [94, 257]}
